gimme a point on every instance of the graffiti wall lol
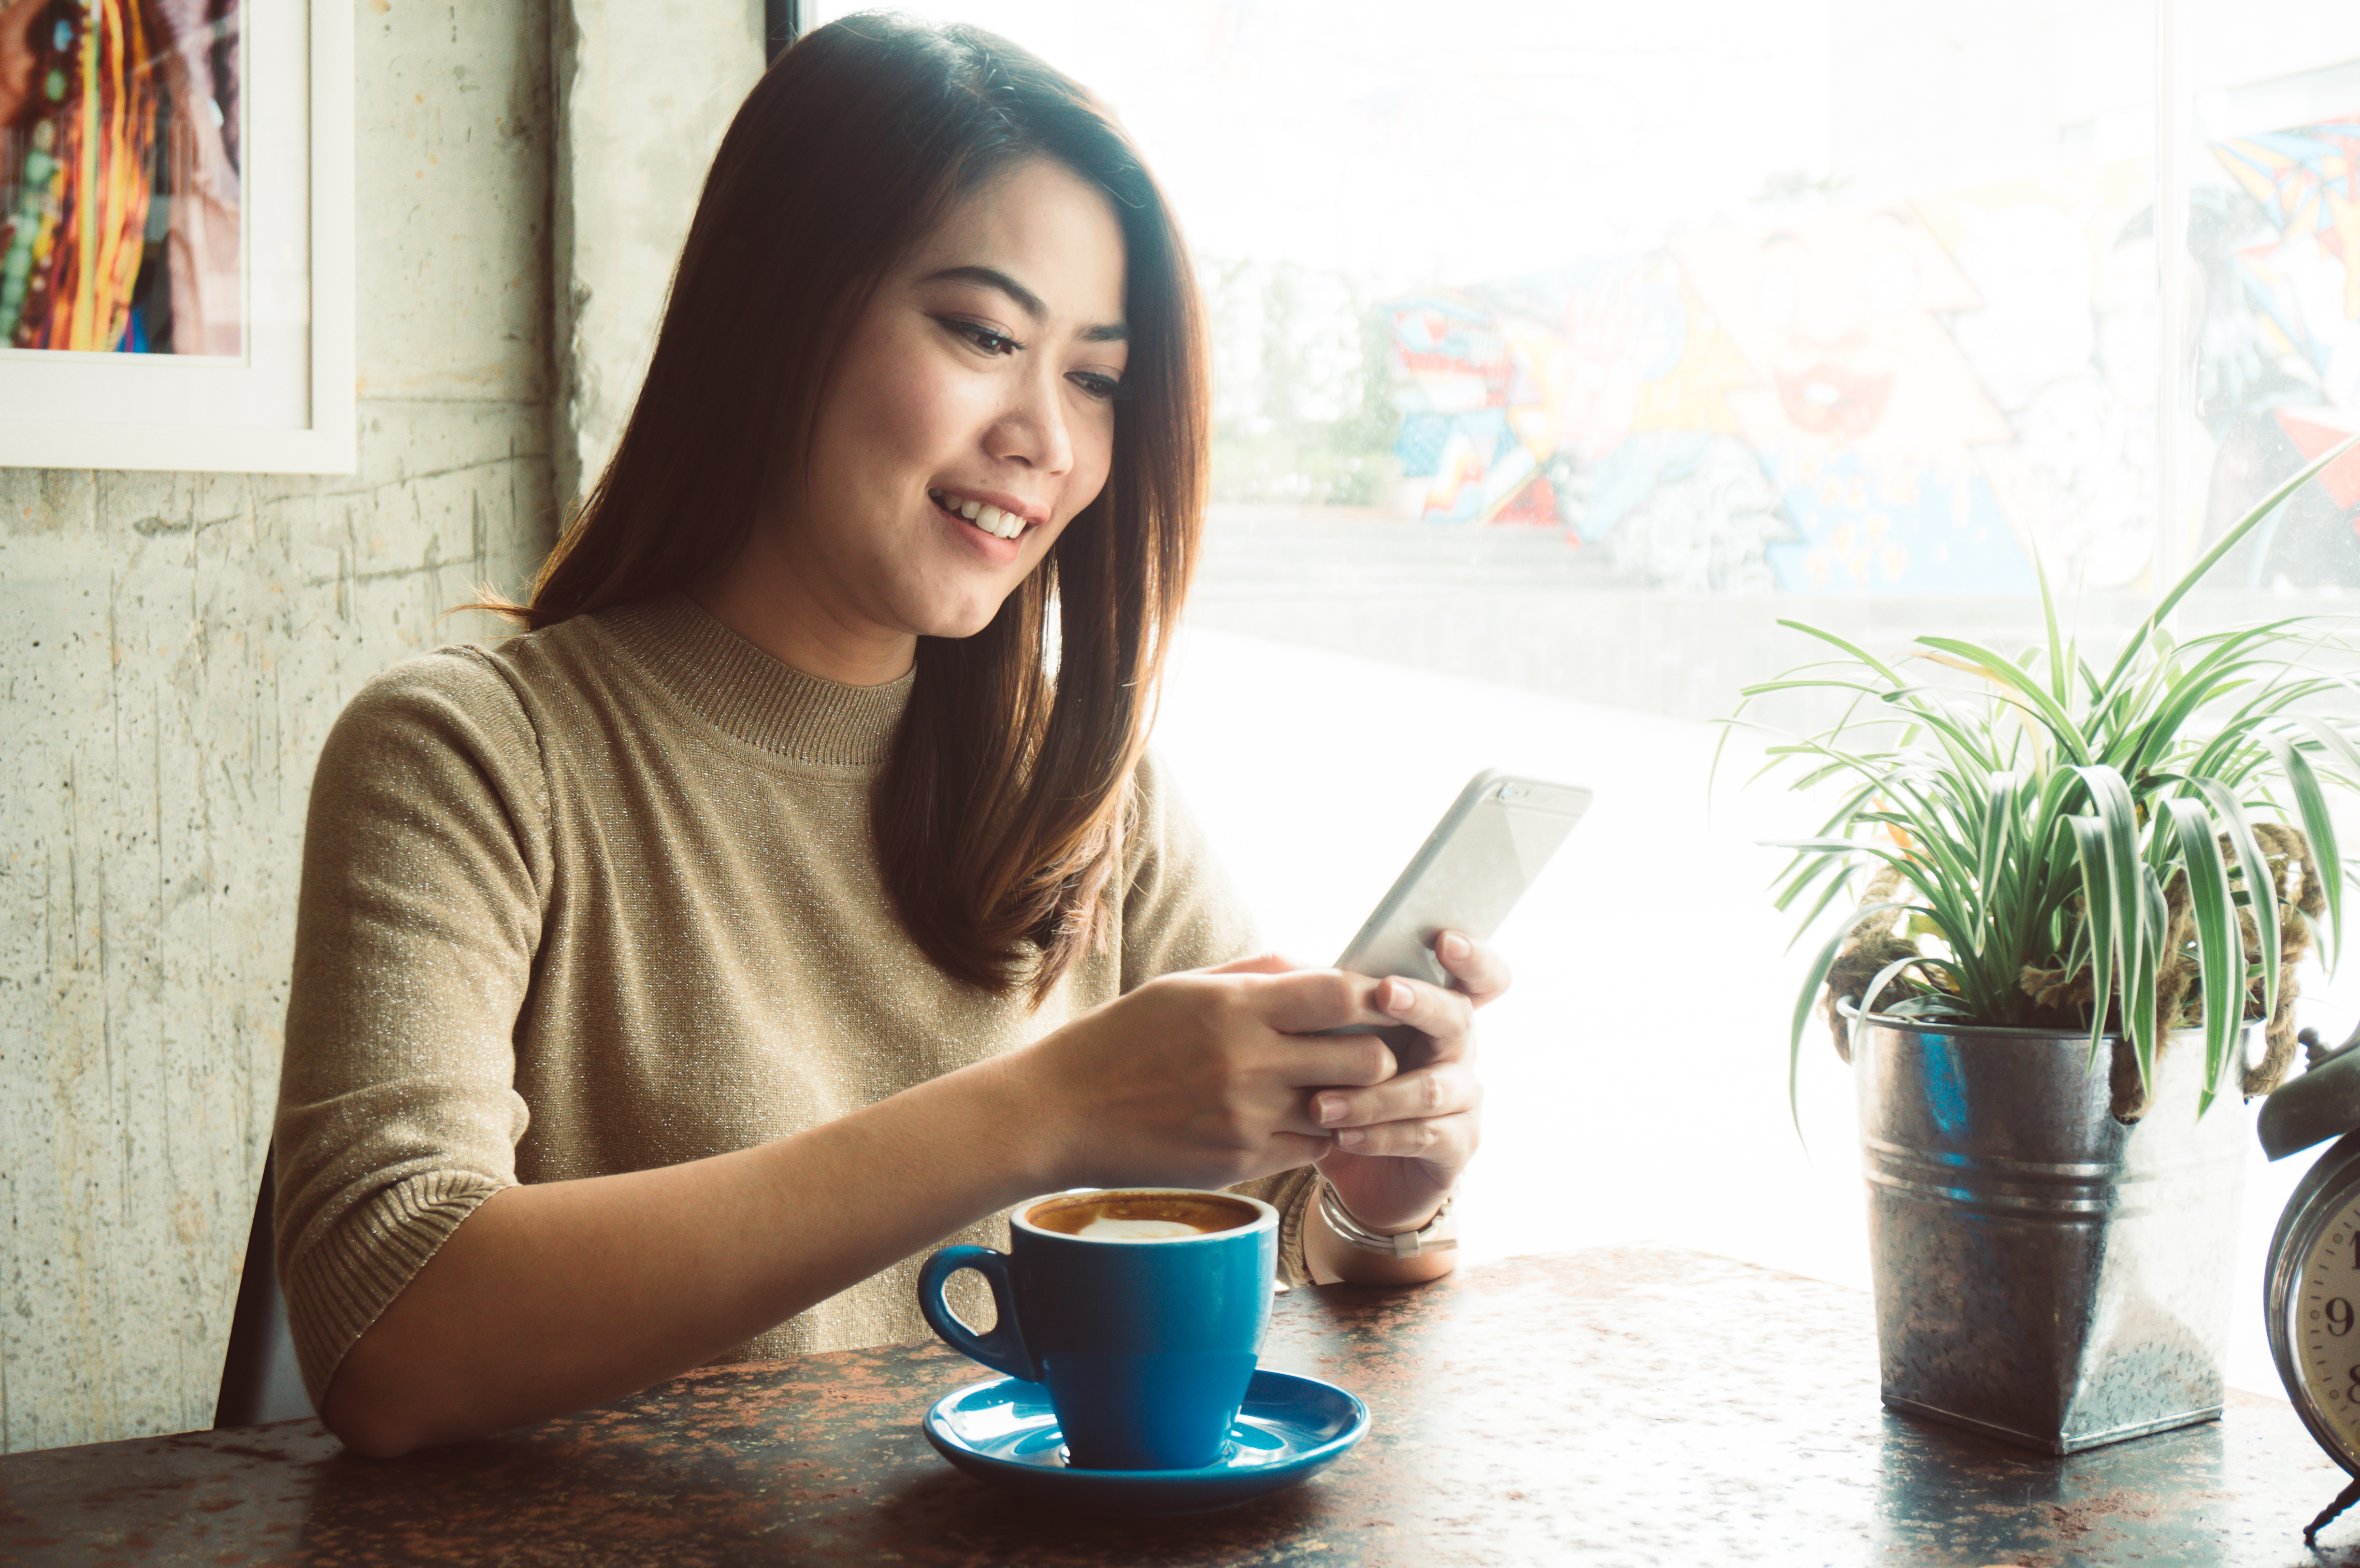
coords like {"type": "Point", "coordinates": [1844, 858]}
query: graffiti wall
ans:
{"type": "Point", "coordinates": [1916, 399]}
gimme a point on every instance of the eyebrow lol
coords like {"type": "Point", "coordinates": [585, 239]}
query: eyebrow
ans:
{"type": "Point", "coordinates": [1026, 301]}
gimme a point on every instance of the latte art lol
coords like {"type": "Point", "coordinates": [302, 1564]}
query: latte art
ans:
{"type": "Point", "coordinates": [1142, 1215]}
{"type": "Point", "coordinates": [1136, 1230]}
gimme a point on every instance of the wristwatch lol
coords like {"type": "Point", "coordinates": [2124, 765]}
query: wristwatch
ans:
{"type": "Point", "coordinates": [1440, 1231]}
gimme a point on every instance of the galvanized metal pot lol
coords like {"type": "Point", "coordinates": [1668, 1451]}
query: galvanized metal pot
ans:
{"type": "Point", "coordinates": [2043, 1273]}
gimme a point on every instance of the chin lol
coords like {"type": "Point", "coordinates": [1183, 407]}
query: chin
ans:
{"type": "Point", "coordinates": [959, 624]}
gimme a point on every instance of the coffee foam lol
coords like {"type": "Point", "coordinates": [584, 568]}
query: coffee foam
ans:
{"type": "Point", "coordinates": [1139, 1230]}
{"type": "Point", "coordinates": [1141, 1216]}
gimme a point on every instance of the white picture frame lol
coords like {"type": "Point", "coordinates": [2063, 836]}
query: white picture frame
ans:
{"type": "Point", "coordinates": [286, 404]}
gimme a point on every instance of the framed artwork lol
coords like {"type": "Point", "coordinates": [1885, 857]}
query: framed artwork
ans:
{"type": "Point", "coordinates": [176, 234]}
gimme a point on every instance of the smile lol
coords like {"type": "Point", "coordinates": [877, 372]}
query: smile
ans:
{"type": "Point", "coordinates": [982, 514]}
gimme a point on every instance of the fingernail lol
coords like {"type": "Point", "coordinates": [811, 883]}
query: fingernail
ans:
{"type": "Point", "coordinates": [1331, 1109]}
{"type": "Point", "coordinates": [1454, 946]}
{"type": "Point", "coordinates": [1350, 1137]}
{"type": "Point", "coordinates": [1398, 997]}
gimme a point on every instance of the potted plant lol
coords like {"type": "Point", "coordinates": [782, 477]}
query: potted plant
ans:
{"type": "Point", "coordinates": [2080, 888]}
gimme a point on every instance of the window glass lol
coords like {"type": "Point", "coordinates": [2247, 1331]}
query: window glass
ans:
{"type": "Point", "coordinates": [1562, 351]}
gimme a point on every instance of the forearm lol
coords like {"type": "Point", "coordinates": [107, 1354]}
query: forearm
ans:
{"type": "Point", "coordinates": [556, 1296]}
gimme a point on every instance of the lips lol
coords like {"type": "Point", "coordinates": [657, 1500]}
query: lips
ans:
{"type": "Point", "coordinates": [1831, 399]}
{"type": "Point", "coordinates": [994, 520]}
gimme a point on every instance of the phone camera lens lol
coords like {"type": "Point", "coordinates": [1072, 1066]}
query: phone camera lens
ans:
{"type": "Point", "coordinates": [1509, 791]}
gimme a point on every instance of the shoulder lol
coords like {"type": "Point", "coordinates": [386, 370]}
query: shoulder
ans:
{"type": "Point", "coordinates": [460, 694]}
{"type": "Point", "coordinates": [454, 723]}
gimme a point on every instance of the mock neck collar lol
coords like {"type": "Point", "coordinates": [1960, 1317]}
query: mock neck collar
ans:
{"type": "Point", "coordinates": [752, 697]}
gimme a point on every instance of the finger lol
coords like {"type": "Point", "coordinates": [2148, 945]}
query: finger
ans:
{"type": "Point", "coordinates": [1410, 1097]}
{"type": "Point", "coordinates": [1445, 1018]}
{"type": "Point", "coordinates": [1445, 1141]}
{"type": "Point", "coordinates": [1257, 963]}
{"type": "Point", "coordinates": [1285, 1151]}
{"type": "Point", "coordinates": [1478, 967]}
{"type": "Point", "coordinates": [1319, 1061]}
{"type": "Point", "coordinates": [1305, 1001]}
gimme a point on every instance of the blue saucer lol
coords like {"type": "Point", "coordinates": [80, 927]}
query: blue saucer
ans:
{"type": "Point", "coordinates": [1004, 1431]}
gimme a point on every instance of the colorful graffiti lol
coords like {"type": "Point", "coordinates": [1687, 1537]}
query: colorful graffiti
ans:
{"type": "Point", "coordinates": [1917, 399]}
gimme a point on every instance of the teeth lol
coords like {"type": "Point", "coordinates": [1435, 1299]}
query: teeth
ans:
{"type": "Point", "coordinates": [982, 514]}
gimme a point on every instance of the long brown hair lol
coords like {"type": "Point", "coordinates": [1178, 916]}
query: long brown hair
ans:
{"type": "Point", "coordinates": [999, 815]}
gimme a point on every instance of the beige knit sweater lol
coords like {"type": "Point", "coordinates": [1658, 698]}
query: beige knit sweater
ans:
{"type": "Point", "coordinates": [604, 897]}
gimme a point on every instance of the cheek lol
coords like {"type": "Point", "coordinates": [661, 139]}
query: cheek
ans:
{"type": "Point", "coordinates": [1093, 460]}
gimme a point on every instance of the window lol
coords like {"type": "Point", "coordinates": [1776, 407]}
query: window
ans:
{"type": "Point", "coordinates": [1562, 350]}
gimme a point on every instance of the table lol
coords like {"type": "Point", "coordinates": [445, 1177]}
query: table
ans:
{"type": "Point", "coordinates": [1621, 1405]}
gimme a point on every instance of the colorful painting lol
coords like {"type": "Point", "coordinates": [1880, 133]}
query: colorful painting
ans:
{"type": "Point", "coordinates": [120, 226]}
{"type": "Point", "coordinates": [1920, 397]}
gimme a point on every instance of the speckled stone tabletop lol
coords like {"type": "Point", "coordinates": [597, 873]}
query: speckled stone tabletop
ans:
{"type": "Point", "coordinates": [1627, 1405]}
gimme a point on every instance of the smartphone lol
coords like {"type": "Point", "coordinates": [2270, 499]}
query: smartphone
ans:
{"type": "Point", "coordinates": [1468, 874]}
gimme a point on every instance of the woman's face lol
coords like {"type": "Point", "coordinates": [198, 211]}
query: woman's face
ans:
{"type": "Point", "coordinates": [971, 414]}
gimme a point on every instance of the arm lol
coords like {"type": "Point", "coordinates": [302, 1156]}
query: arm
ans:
{"type": "Point", "coordinates": [552, 1297]}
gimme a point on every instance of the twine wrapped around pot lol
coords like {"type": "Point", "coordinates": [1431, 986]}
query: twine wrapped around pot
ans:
{"type": "Point", "coordinates": [2062, 998]}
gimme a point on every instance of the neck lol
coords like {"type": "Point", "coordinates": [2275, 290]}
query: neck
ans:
{"type": "Point", "coordinates": [765, 601]}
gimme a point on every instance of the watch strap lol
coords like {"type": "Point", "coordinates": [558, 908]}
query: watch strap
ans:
{"type": "Point", "coordinates": [1438, 1234]}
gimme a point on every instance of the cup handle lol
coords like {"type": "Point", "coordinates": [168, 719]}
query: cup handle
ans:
{"type": "Point", "coordinates": [1003, 1349]}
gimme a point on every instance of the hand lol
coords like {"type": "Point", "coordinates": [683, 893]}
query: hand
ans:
{"type": "Point", "coordinates": [1201, 1079]}
{"type": "Point", "coordinates": [1400, 1144]}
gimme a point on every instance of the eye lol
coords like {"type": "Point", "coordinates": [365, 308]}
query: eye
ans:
{"type": "Point", "coordinates": [989, 340]}
{"type": "Point", "coordinates": [1099, 387]}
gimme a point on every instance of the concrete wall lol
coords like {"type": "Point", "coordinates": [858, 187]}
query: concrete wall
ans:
{"type": "Point", "coordinates": [176, 646]}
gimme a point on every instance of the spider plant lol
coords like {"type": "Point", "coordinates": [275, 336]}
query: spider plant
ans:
{"type": "Point", "coordinates": [2043, 845]}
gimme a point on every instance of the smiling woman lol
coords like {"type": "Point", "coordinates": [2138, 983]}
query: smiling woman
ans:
{"type": "Point", "coordinates": [796, 892]}
{"type": "Point", "coordinates": [972, 417]}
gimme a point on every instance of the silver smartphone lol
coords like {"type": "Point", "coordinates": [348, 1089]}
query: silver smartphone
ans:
{"type": "Point", "coordinates": [1468, 874]}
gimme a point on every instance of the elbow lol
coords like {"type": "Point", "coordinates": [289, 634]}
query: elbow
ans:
{"type": "Point", "coordinates": [380, 1414]}
{"type": "Point", "coordinates": [371, 1436]}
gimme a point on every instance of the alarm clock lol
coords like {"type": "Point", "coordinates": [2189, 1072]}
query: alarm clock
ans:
{"type": "Point", "coordinates": [2312, 1291]}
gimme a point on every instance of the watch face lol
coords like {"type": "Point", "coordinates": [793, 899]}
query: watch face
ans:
{"type": "Point", "coordinates": [2320, 1311]}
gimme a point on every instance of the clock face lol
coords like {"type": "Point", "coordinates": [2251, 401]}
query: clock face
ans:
{"type": "Point", "coordinates": [2319, 1317]}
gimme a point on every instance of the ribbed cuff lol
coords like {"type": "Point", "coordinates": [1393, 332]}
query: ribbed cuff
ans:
{"type": "Point", "coordinates": [342, 1282]}
{"type": "Point", "coordinates": [1292, 1195]}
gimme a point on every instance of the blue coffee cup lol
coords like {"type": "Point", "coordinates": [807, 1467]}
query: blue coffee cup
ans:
{"type": "Point", "coordinates": [1142, 1322]}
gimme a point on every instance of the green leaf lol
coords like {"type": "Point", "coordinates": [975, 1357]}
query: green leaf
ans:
{"type": "Point", "coordinates": [2212, 558]}
{"type": "Point", "coordinates": [2221, 959]}
{"type": "Point", "coordinates": [1884, 977]}
{"type": "Point", "coordinates": [1816, 977]}
{"type": "Point", "coordinates": [2317, 825]}
{"type": "Point", "coordinates": [2100, 913]}
{"type": "Point", "coordinates": [2058, 687]}
{"type": "Point", "coordinates": [1853, 649]}
{"type": "Point", "coordinates": [2140, 999]}
{"type": "Point", "coordinates": [2060, 724]}
{"type": "Point", "coordinates": [2261, 897]}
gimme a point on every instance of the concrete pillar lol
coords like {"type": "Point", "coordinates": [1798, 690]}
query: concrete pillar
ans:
{"type": "Point", "coordinates": [644, 92]}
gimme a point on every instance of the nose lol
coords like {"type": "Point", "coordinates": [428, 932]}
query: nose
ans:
{"type": "Point", "coordinates": [1032, 428]}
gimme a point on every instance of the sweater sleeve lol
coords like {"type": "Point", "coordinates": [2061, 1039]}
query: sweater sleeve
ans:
{"type": "Point", "coordinates": [425, 857]}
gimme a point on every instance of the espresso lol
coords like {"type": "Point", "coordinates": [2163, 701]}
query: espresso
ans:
{"type": "Point", "coordinates": [1141, 1216]}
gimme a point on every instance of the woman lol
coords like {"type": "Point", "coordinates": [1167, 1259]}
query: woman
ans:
{"type": "Point", "coordinates": [793, 896]}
